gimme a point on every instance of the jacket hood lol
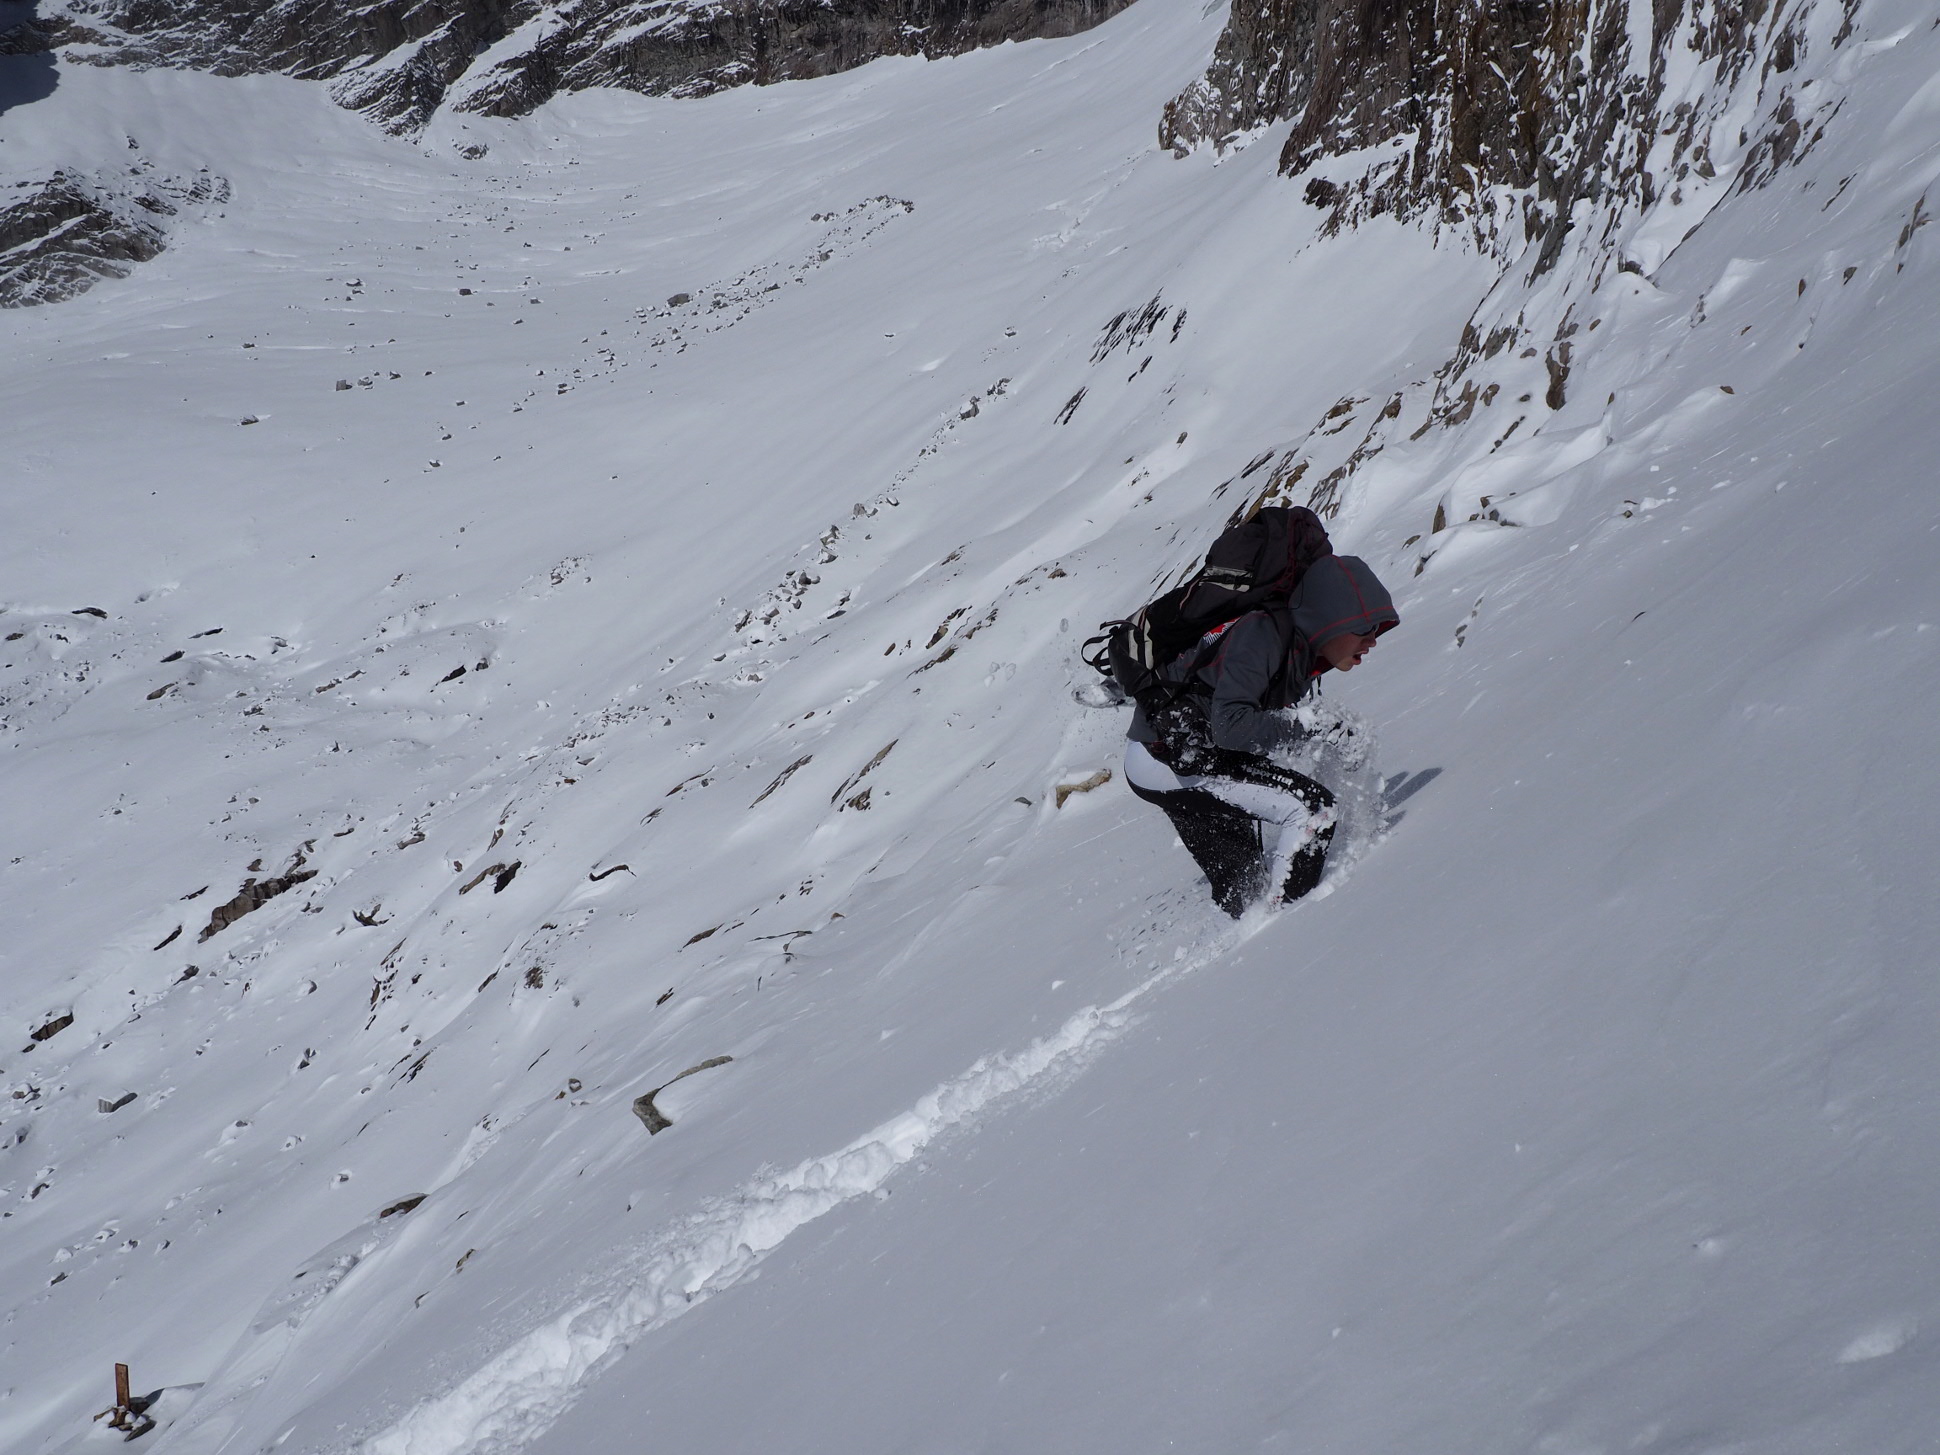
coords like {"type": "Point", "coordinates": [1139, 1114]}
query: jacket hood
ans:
{"type": "Point", "coordinates": [1340, 594]}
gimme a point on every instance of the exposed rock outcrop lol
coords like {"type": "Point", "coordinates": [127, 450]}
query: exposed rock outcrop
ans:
{"type": "Point", "coordinates": [1578, 144]}
{"type": "Point", "coordinates": [38, 35]}
{"type": "Point", "coordinates": [1492, 113]}
{"type": "Point", "coordinates": [61, 236]}
{"type": "Point", "coordinates": [400, 60]}
{"type": "Point", "coordinates": [254, 894]}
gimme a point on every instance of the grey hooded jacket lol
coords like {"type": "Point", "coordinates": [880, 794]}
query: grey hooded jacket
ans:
{"type": "Point", "coordinates": [1246, 690]}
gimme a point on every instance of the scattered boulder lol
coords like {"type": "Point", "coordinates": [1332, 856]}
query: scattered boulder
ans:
{"type": "Point", "coordinates": [1083, 785]}
{"type": "Point", "coordinates": [643, 1106]}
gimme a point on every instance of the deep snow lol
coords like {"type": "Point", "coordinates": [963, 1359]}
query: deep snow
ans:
{"type": "Point", "coordinates": [1589, 1108]}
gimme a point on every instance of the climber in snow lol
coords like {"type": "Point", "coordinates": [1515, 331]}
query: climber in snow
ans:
{"type": "Point", "coordinates": [1209, 755]}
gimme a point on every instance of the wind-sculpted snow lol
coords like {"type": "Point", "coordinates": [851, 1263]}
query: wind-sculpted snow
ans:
{"type": "Point", "coordinates": [450, 691]}
{"type": "Point", "coordinates": [519, 1393]}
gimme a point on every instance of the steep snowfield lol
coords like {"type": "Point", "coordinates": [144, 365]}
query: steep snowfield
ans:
{"type": "Point", "coordinates": [599, 686]}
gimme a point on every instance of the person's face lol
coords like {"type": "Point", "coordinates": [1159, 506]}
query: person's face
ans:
{"type": "Point", "coordinates": [1344, 652]}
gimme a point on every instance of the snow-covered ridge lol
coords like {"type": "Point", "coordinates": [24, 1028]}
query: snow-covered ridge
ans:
{"type": "Point", "coordinates": [398, 62]}
{"type": "Point", "coordinates": [637, 684]}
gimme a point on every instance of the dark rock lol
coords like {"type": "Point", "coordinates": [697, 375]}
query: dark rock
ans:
{"type": "Point", "coordinates": [655, 1120]}
{"type": "Point", "coordinates": [1557, 362]}
{"type": "Point", "coordinates": [64, 237]}
{"type": "Point", "coordinates": [500, 875]}
{"type": "Point", "coordinates": [60, 237]}
{"type": "Point", "coordinates": [37, 35]}
{"type": "Point", "coordinates": [251, 897]}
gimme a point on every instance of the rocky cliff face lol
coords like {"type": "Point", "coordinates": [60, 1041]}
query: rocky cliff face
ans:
{"type": "Point", "coordinates": [1500, 114]}
{"type": "Point", "coordinates": [679, 49]}
{"type": "Point", "coordinates": [62, 236]}
{"type": "Point", "coordinates": [1578, 143]}
{"type": "Point", "coordinates": [400, 60]}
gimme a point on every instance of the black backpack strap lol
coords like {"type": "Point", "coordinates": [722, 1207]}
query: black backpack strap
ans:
{"type": "Point", "coordinates": [1096, 651]}
{"type": "Point", "coordinates": [1280, 613]}
{"type": "Point", "coordinates": [1189, 684]}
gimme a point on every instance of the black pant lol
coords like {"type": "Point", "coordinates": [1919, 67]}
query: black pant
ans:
{"type": "Point", "coordinates": [1227, 842]}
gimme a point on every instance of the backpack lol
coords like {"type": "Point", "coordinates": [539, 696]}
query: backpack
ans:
{"type": "Point", "coordinates": [1254, 565]}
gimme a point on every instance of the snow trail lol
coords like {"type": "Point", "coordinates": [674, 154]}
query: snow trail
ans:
{"type": "Point", "coordinates": [522, 1391]}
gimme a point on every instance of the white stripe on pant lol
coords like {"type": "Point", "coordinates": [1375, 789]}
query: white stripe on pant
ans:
{"type": "Point", "coordinates": [1297, 824]}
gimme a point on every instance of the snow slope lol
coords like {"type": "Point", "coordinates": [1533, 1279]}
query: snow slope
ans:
{"type": "Point", "coordinates": [1588, 1107]}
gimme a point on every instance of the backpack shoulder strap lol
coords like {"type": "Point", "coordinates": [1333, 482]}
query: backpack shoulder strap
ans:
{"type": "Point", "coordinates": [1279, 611]}
{"type": "Point", "coordinates": [1276, 611]}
